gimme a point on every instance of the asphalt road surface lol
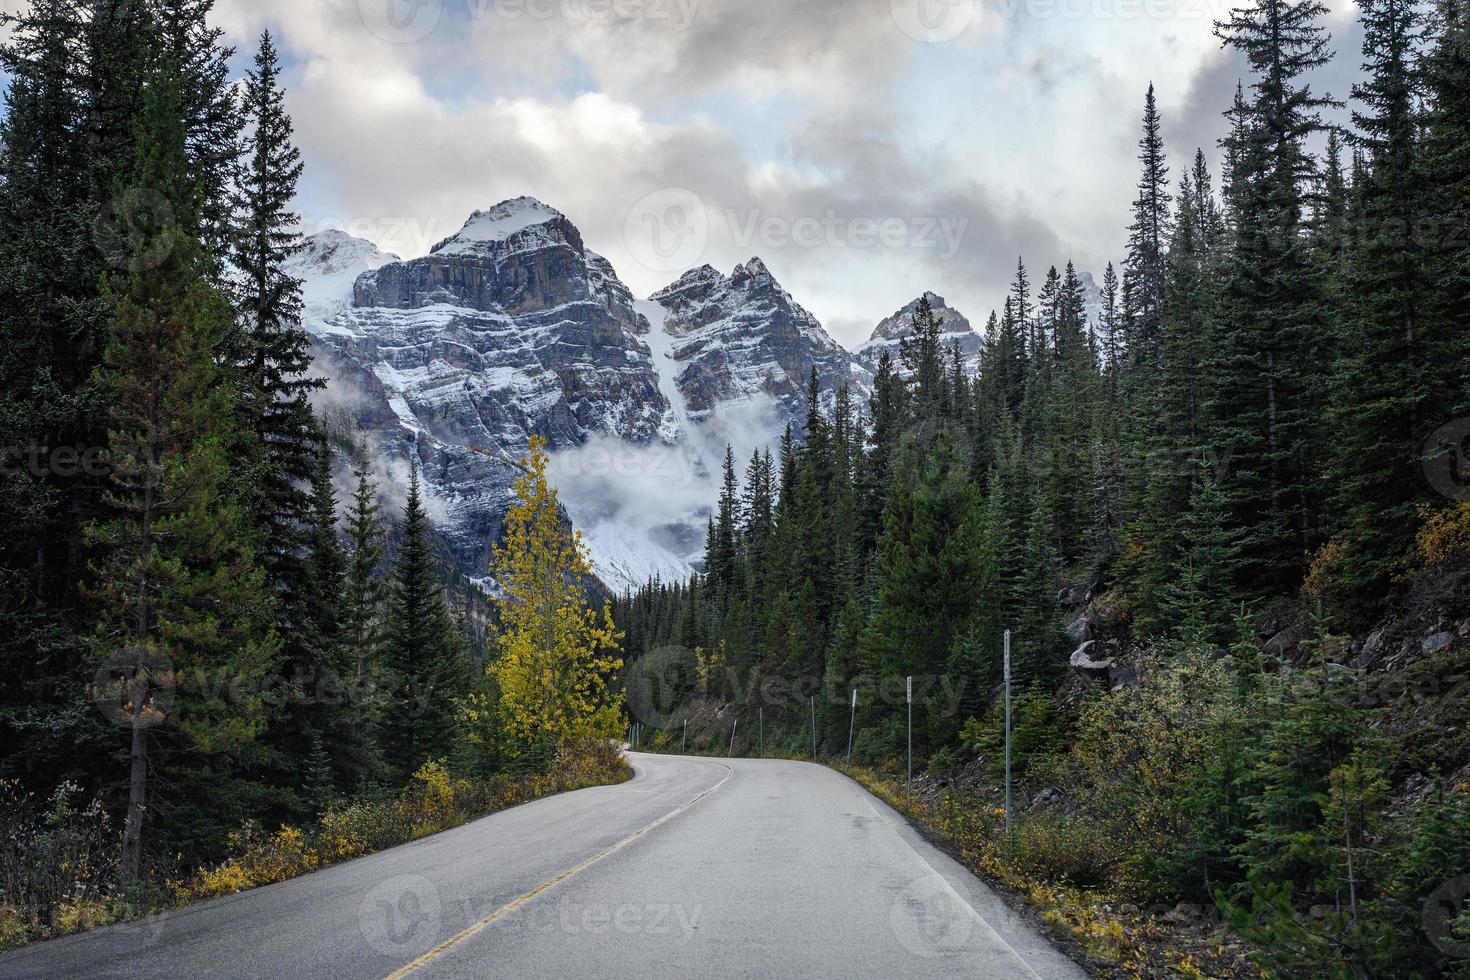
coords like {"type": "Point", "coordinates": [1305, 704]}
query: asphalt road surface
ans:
{"type": "Point", "coordinates": [695, 868]}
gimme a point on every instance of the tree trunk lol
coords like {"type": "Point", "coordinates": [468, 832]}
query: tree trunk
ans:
{"type": "Point", "coordinates": [138, 687]}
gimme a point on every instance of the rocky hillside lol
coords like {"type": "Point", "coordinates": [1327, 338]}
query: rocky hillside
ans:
{"type": "Point", "coordinates": [514, 327]}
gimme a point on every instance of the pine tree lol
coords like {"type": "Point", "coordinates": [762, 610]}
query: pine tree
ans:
{"type": "Point", "coordinates": [1386, 397]}
{"type": "Point", "coordinates": [362, 595]}
{"type": "Point", "coordinates": [53, 323]}
{"type": "Point", "coordinates": [1143, 273]}
{"type": "Point", "coordinates": [273, 362]}
{"type": "Point", "coordinates": [1269, 397]}
{"type": "Point", "coordinates": [422, 660]}
{"type": "Point", "coordinates": [178, 591]}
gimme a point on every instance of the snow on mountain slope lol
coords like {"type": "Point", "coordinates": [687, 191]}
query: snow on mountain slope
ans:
{"type": "Point", "coordinates": [743, 343]}
{"type": "Point", "coordinates": [328, 265]}
{"type": "Point", "coordinates": [513, 329]}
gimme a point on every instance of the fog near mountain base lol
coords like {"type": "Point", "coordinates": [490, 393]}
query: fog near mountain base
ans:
{"type": "Point", "coordinates": [643, 509]}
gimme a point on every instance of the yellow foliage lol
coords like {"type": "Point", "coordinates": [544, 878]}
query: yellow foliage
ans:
{"type": "Point", "coordinates": [1322, 575]}
{"type": "Point", "coordinates": [1444, 534]}
{"type": "Point", "coordinates": [557, 654]}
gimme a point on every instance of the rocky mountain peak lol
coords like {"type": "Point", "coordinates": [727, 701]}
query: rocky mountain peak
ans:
{"type": "Point", "coordinates": [901, 324]}
{"type": "Point", "coordinates": [516, 219]}
{"type": "Point", "coordinates": [892, 330]}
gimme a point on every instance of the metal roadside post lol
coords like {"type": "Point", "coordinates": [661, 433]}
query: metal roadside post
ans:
{"type": "Point", "coordinates": [760, 716]}
{"type": "Point", "coordinates": [852, 726]}
{"type": "Point", "coordinates": [733, 725]}
{"type": "Point", "coordinates": [684, 739]}
{"type": "Point", "coordinates": [1006, 666]}
{"type": "Point", "coordinates": [911, 735]}
{"type": "Point", "coordinates": [814, 728]}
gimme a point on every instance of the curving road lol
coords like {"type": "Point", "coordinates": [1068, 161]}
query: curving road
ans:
{"type": "Point", "coordinates": [695, 868]}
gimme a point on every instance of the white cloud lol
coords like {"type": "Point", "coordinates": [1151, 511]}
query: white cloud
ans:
{"type": "Point", "coordinates": [1023, 127]}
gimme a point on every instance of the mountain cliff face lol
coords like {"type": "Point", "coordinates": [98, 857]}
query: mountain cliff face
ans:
{"type": "Point", "coordinates": [513, 327]}
{"type": "Point", "coordinates": [741, 339]}
{"type": "Point", "coordinates": [889, 334]}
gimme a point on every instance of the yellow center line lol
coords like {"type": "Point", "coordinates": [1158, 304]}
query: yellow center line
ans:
{"type": "Point", "coordinates": [505, 910]}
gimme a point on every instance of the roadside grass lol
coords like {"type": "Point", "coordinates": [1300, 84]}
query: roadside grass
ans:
{"type": "Point", "coordinates": [1054, 865]}
{"type": "Point", "coordinates": [59, 869]}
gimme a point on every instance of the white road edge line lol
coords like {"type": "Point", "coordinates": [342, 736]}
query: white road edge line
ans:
{"type": "Point", "coordinates": [505, 910]}
{"type": "Point", "coordinates": [951, 888]}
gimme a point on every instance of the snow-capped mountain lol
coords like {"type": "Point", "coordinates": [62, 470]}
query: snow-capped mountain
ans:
{"type": "Point", "coordinates": [889, 334]}
{"type": "Point", "coordinates": [513, 327]}
{"type": "Point", "coordinates": [741, 340]}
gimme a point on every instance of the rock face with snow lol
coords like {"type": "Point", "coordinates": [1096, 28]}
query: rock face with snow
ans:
{"type": "Point", "coordinates": [742, 338]}
{"type": "Point", "coordinates": [513, 327]}
{"type": "Point", "coordinates": [890, 333]}
{"type": "Point", "coordinates": [510, 328]}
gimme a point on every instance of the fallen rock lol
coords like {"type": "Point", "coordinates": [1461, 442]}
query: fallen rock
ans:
{"type": "Point", "coordinates": [1184, 914]}
{"type": "Point", "coordinates": [1083, 661]}
{"type": "Point", "coordinates": [1437, 642]}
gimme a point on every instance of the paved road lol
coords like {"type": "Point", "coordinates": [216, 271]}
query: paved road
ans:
{"type": "Point", "coordinates": [696, 868]}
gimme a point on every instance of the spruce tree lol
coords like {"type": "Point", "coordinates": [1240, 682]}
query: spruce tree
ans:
{"type": "Point", "coordinates": [1386, 398]}
{"type": "Point", "coordinates": [1269, 397]}
{"type": "Point", "coordinates": [273, 360]}
{"type": "Point", "coordinates": [178, 592]}
{"type": "Point", "coordinates": [423, 664]}
{"type": "Point", "coordinates": [1148, 236]}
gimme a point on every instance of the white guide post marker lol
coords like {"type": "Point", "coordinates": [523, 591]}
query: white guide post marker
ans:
{"type": "Point", "coordinates": [911, 735]}
{"type": "Point", "coordinates": [1006, 667]}
{"type": "Point", "coordinates": [852, 726]}
{"type": "Point", "coordinates": [814, 728]}
{"type": "Point", "coordinates": [733, 725]}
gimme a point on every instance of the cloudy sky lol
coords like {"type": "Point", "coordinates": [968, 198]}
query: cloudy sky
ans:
{"type": "Point", "coordinates": [866, 149]}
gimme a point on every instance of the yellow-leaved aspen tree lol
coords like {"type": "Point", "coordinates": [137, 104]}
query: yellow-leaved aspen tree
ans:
{"type": "Point", "coordinates": [557, 654]}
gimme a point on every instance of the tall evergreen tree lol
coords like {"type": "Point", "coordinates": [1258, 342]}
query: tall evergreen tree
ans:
{"type": "Point", "coordinates": [1148, 237]}
{"type": "Point", "coordinates": [1269, 398]}
{"type": "Point", "coordinates": [178, 590]}
{"type": "Point", "coordinates": [423, 658]}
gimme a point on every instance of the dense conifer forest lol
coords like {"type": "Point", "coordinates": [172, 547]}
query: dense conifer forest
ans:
{"type": "Point", "coordinates": [1205, 522]}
